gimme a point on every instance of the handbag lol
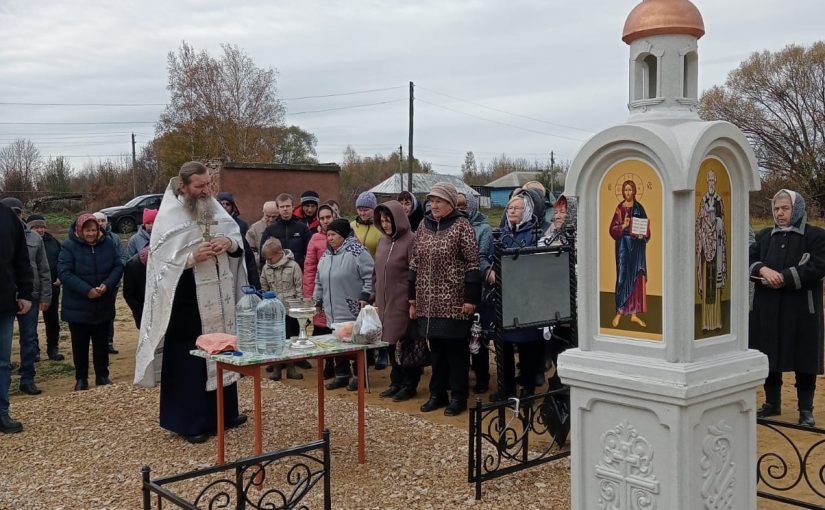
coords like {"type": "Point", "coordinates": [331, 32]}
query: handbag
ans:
{"type": "Point", "coordinates": [412, 351]}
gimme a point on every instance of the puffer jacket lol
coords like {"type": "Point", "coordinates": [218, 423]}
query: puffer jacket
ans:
{"type": "Point", "coordinates": [284, 277]}
{"type": "Point", "coordinates": [82, 267]}
{"type": "Point", "coordinates": [524, 235]}
{"type": "Point", "coordinates": [484, 234]}
{"type": "Point", "coordinates": [367, 233]}
{"type": "Point", "coordinates": [137, 242]}
{"type": "Point", "coordinates": [42, 288]}
{"type": "Point", "coordinates": [315, 250]}
{"type": "Point", "coordinates": [15, 271]}
{"type": "Point", "coordinates": [444, 274]}
{"type": "Point", "coordinates": [392, 265]}
{"type": "Point", "coordinates": [53, 248]}
{"type": "Point", "coordinates": [344, 278]}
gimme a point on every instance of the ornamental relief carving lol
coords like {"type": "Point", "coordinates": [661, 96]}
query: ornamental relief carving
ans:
{"type": "Point", "coordinates": [625, 471]}
{"type": "Point", "coordinates": [718, 470]}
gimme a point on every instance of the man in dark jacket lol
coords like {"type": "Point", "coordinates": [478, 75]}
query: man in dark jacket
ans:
{"type": "Point", "coordinates": [227, 201]}
{"type": "Point", "coordinates": [308, 210]}
{"type": "Point", "coordinates": [41, 298]}
{"type": "Point", "coordinates": [292, 232]}
{"type": "Point", "coordinates": [15, 299]}
{"type": "Point", "coordinates": [51, 316]}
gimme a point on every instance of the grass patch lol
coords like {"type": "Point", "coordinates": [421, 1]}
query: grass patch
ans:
{"type": "Point", "coordinates": [44, 370]}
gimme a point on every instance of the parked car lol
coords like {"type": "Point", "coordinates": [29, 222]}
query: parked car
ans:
{"type": "Point", "coordinates": [126, 218]}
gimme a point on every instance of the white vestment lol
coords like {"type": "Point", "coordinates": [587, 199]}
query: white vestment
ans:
{"type": "Point", "coordinates": [175, 235]}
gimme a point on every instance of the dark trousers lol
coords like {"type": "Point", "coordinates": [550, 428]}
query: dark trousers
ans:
{"type": "Point", "coordinates": [531, 362]}
{"type": "Point", "coordinates": [481, 363]}
{"type": "Point", "coordinates": [110, 333]}
{"type": "Point", "coordinates": [805, 386]}
{"type": "Point", "coordinates": [403, 376]}
{"type": "Point", "coordinates": [81, 333]}
{"type": "Point", "coordinates": [51, 318]}
{"type": "Point", "coordinates": [450, 368]}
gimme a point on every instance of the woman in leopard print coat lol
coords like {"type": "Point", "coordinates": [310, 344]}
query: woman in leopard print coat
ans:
{"type": "Point", "coordinates": [445, 288]}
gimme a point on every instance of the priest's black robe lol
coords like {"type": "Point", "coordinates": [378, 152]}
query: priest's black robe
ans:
{"type": "Point", "coordinates": [186, 407]}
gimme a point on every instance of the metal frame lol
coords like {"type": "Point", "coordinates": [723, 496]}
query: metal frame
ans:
{"type": "Point", "coordinates": [776, 473]}
{"type": "Point", "coordinates": [507, 440]}
{"type": "Point", "coordinates": [233, 489]}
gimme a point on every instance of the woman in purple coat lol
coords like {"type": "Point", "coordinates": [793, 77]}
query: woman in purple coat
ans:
{"type": "Point", "coordinates": [392, 265]}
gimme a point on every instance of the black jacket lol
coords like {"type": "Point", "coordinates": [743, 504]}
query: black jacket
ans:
{"type": "Point", "coordinates": [293, 234]}
{"type": "Point", "coordinates": [53, 248]}
{"type": "Point", "coordinates": [134, 286]}
{"type": "Point", "coordinates": [16, 277]}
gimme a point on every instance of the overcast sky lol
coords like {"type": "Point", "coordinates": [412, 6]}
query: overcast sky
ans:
{"type": "Point", "coordinates": [480, 68]}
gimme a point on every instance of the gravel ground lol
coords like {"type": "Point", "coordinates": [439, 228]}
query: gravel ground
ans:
{"type": "Point", "coordinates": [85, 450]}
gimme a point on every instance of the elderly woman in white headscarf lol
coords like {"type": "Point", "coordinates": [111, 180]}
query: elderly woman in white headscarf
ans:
{"type": "Point", "coordinates": [788, 262]}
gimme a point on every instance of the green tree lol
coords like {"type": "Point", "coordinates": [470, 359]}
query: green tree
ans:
{"type": "Point", "coordinates": [778, 100]}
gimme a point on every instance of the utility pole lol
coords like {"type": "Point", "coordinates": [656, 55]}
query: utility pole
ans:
{"type": "Point", "coordinates": [410, 155]}
{"type": "Point", "coordinates": [553, 174]}
{"type": "Point", "coordinates": [134, 159]}
{"type": "Point", "coordinates": [400, 168]}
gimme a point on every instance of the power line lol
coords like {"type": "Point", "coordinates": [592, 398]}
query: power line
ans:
{"type": "Point", "coordinates": [342, 93]}
{"type": "Point", "coordinates": [20, 135]}
{"type": "Point", "coordinates": [508, 113]}
{"type": "Point", "coordinates": [499, 122]}
{"type": "Point", "coordinates": [348, 107]}
{"type": "Point", "coordinates": [76, 123]}
{"type": "Point", "coordinates": [21, 103]}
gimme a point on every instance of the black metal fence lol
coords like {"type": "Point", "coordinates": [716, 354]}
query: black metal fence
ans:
{"type": "Point", "coordinates": [513, 435]}
{"type": "Point", "coordinates": [792, 471]}
{"type": "Point", "coordinates": [278, 480]}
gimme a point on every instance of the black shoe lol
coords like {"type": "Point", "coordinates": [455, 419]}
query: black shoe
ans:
{"type": "Point", "coordinates": [55, 355]}
{"type": "Point", "coordinates": [30, 389]}
{"type": "Point", "coordinates": [276, 374]}
{"type": "Point", "coordinates": [389, 392]}
{"type": "Point", "coordinates": [338, 382]}
{"type": "Point", "coordinates": [303, 364]}
{"type": "Point", "coordinates": [292, 373]}
{"type": "Point", "coordinates": [9, 425]}
{"type": "Point", "coordinates": [404, 394]}
{"type": "Point", "coordinates": [329, 369]}
{"type": "Point", "coordinates": [37, 358]}
{"type": "Point", "coordinates": [767, 410]}
{"type": "Point", "coordinates": [270, 368]}
{"type": "Point", "coordinates": [480, 388]}
{"type": "Point", "coordinates": [237, 422]}
{"type": "Point", "coordinates": [433, 403]}
{"type": "Point", "coordinates": [81, 384]}
{"type": "Point", "coordinates": [102, 381]}
{"type": "Point", "coordinates": [455, 407]}
{"type": "Point", "coordinates": [353, 384]}
{"type": "Point", "coordinates": [112, 349]}
{"type": "Point", "coordinates": [197, 438]}
{"type": "Point", "coordinates": [806, 418]}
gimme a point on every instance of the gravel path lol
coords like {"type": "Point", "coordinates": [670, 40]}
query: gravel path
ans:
{"type": "Point", "coordinates": [85, 450]}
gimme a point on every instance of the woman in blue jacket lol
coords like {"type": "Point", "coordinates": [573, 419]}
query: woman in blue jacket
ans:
{"type": "Point", "coordinates": [90, 268]}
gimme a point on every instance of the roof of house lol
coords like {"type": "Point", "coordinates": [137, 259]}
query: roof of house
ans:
{"type": "Point", "coordinates": [422, 184]}
{"type": "Point", "coordinates": [513, 180]}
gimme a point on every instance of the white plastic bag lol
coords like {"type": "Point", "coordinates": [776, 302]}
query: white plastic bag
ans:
{"type": "Point", "coordinates": [367, 329]}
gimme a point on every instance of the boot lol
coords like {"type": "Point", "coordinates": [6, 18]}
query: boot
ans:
{"type": "Point", "coordinates": [340, 381]}
{"type": "Point", "coordinates": [773, 402]}
{"type": "Point", "coordinates": [806, 407]}
{"type": "Point", "coordinates": [292, 372]}
{"type": "Point", "coordinates": [276, 374]}
{"type": "Point", "coordinates": [329, 369]}
{"type": "Point", "coordinates": [54, 354]}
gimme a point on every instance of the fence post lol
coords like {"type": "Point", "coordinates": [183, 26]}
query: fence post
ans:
{"type": "Point", "coordinates": [478, 425]}
{"type": "Point", "coordinates": [327, 473]}
{"type": "Point", "coordinates": [147, 497]}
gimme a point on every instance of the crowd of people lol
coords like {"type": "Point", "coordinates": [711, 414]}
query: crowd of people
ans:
{"type": "Point", "coordinates": [427, 266]}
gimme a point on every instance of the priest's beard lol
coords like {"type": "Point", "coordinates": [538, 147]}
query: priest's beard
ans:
{"type": "Point", "coordinates": [200, 208]}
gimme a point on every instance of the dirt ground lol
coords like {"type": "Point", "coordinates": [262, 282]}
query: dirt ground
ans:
{"type": "Point", "coordinates": [59, 381]}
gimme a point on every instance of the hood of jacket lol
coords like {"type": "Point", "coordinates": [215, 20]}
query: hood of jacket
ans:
{"type": "Point", "coordinates": [400, 221]}
{"type": "Point", "coordinates": [288, 256]}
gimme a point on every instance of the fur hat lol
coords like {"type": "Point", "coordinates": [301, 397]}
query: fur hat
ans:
{"type": "Point", "coordinates": [36, 220]}
{"type": "Point", "coordinates": [367, 199]}
{"type": "Point", "coordinates": [149, 215]}
{"type": "Point", "coordinates": [341, 227]}
{"type": "Point", "coordinates": [445, 191]}
{"type": "Point", "coordinates": [311, 197]}
{"type": "Point", "coordinates": [13, 203]}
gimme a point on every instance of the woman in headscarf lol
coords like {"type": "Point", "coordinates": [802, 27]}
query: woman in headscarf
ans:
{"type": "Point", "coordinates": [522, 230]}
{"type": "Point", "coordinates": [343, 285]}
{"type": "Point", "coordinates": [788, 260]}
{"type": "Point", "coordinates": [445, 289]}
{"type": "Point", "coordinates": [315, 250]}
{"type": "Point", "coordinates": [392, 266]}
{"type": "Point", "coordinates": [412, 208]}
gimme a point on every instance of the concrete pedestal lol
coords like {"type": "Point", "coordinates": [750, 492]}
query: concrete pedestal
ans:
{"type": "Point", "coordinates": [654, 434]}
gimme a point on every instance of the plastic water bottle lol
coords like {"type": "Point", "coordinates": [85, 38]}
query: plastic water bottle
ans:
{"type": "Point", "coordinates": [271, 325]}
{"type": "Point", "coordinates": [245, 315]}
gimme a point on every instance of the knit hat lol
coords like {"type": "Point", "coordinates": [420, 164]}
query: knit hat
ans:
{"type": "Point", "coordinates": [99, 216]}
{"type": "Point", "coordinates": [82, 220]}
{"type": "Point", "coordinates": [367, 199]}
{"type": "Point", "coordinates": [13, 203]}
{"type": "Point", "coordinates": [149, 215]}
{"type": "Point", "coordinates": [36, 220]}
{"type": "Point", "coordinates": [445, 191]}
{"type": "Point", "coordinates": [310, 196]}
{"type": "Point", "coordinates": [341, 227]}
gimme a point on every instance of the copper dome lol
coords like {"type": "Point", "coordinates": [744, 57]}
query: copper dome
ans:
{"type": "Point", "coordinates": [657, 17]}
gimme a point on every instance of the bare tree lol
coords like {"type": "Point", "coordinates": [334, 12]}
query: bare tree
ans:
{"type": "Point", "coordinates": [19, 165]}
{"type": "Point", "coordinates": [56, 176]}
{"type": "Point", "coordinates": [222, 104]}
{"type": "Point", "coordinates": [778, 101]}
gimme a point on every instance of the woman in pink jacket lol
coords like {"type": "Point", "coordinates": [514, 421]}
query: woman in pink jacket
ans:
{"type": "Point", "coordinates": [315, 249]}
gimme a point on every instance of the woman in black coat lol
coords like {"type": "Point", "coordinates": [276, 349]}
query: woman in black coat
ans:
{"type": "Point", "coordinates": [788, 263]}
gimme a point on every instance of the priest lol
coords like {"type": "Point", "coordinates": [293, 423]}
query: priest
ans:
{"type": "Point", "coordinates": [194, 274]}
